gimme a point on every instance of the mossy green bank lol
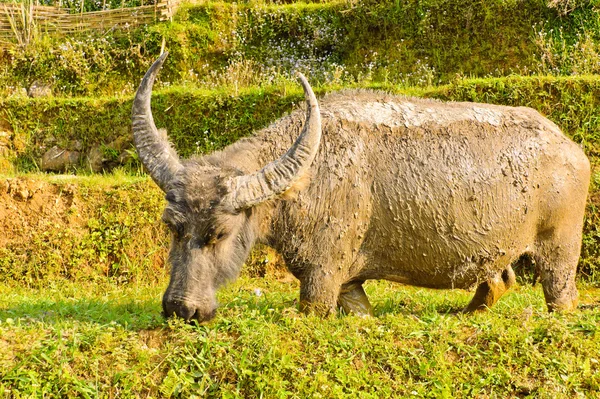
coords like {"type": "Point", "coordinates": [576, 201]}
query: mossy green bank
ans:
{"type": "Point", "coordinates": [201, 121]}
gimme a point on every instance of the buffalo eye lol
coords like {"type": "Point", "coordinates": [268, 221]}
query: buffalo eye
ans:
{"type": "Point", "coordinates": [196, 243]}
{"type": "Point", "coordinates": [215, 238]}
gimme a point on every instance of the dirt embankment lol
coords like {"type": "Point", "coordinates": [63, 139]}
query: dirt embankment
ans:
{"type": "Point", "coordinates": [28, 205]}
{"type": "Point", "coordinates": [81, 229]}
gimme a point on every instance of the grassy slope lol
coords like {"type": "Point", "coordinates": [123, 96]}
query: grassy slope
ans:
{"type": "Point", "coordinates": [415, 42]}
{"type": "Point", "coordinates": [83, 341]}
{"type": "Point", "coordinates": [80, 309]}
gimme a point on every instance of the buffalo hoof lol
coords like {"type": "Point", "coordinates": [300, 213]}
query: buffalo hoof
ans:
{"type": "Point", "coordinates": [563, 305]}
{"type": "Point", "coordinates": [354, 300]}
{"type": "Point", "coordinates": [488, 293]}
{"type": "Point", "coordinates": [316, 308]}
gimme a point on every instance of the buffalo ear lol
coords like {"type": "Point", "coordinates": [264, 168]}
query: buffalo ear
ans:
{"type": "Point", "coordinates": [299, 185]}
{"type": "Point", "coordinates": [286, 173]}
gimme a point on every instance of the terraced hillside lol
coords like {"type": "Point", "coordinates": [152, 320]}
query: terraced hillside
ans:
{"type": "Point", "coordinates": [83, 251]}
{"type": "Point", "coordinates": [216, 44]}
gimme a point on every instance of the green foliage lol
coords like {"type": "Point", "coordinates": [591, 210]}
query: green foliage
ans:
{"type": "Point", "coordinates": [411, 41]}
{"type": "Point", "coordinates": [198, 121]}
{"type": "Point", "coordinates": [80, 64]}
{"type": "Point", "coordinates": [570, 45]}
{"type": "Point", "coordinates": [229, 44]}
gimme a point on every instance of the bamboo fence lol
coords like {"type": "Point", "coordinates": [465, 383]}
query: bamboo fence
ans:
{"type": "Point", "coordinates": [17, 19]}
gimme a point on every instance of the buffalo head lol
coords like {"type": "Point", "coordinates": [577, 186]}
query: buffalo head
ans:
{"type": "Point", "coordinates": [212, 206]}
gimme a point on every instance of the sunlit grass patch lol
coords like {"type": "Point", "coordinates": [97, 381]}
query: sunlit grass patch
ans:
{"type": "Point", "coordinates": [85, 339]}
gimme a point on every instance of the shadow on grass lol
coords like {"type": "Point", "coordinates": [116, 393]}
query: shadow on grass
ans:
{"type": "Point", "coordinates": [147, 313]}
{"type": "Point", "coordinates": [135, 315]}
{"type": "Point", "coordinates": [408, 301]}
{"type": "Point", "coordinates": [398, 307]}
{"type": "Point", "coordinates": [276, 306]}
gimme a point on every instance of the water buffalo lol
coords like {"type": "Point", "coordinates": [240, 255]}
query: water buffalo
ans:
{"type": "Point", "coordinates": [368, 185]}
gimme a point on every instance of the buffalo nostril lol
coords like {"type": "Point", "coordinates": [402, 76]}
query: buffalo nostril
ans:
{"type": "Point", "coordinates": [174, 307]}
{"type": "Point", "coordinates": [183, 310]}
{"type": "Point", "coordinates": [188, 310]}
{"type": "Point", "coordinates": [200, 317]}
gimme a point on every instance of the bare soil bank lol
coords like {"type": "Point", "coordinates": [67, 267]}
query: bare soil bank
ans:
{"type": "Point", "coordinates": [80, 228]}
{"type": "Point", "coordinates": [29, 204]}
{"type": "Point", "coordinates": [91, 228]}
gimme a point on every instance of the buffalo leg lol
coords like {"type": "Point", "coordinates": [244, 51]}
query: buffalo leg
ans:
{"type": "Point", "coordinates": [319, 295]}
{"type": "Point", "coordinates": [557, 265]}
{"type": "Point", "coordinates": [489, 292]}
{"type": "Point", "coordinates": [559, 238]}
{"type": "Point", "coordinates": [353, 299]}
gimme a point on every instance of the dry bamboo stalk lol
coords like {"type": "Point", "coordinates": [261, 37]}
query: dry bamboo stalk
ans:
{"type": "Point", "coordinates": [58, 21]}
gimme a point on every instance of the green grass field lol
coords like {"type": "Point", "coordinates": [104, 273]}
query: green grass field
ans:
{"type": "Point", "coordinates": [101, 340]}
{"type": "Point", "coordinates": [82, 255]}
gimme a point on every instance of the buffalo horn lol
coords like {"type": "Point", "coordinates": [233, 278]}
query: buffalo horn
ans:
{"type": "Point", "coordinates": [154, 150]}
{"type": "Point", "coordinates": [280, 175]}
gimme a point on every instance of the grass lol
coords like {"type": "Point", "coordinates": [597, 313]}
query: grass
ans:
{"type": "Point", "coordinates": [89, 340]}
